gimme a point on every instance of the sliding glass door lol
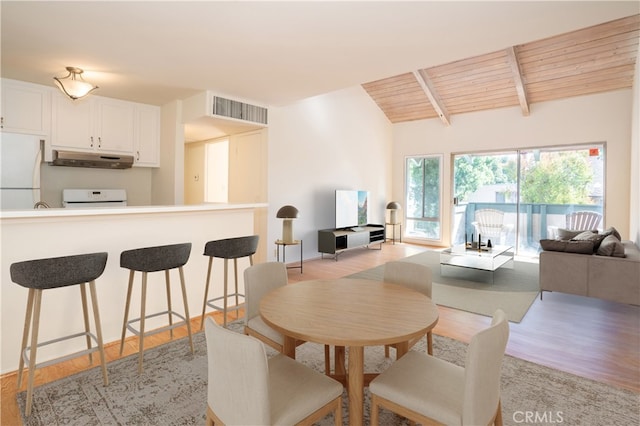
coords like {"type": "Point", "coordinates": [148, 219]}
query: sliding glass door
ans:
{"type": "Point", "coordinates": [526, 194]}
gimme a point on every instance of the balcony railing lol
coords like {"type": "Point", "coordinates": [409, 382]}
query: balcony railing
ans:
{"type": "Point", "coordinates": [532, 226]}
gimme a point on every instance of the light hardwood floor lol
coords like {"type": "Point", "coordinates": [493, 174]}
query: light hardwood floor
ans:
{"type": "Point", "coordinates": [587, 337]}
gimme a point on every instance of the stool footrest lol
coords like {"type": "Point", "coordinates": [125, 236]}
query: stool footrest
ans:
{"type": "Point", "coordinates": [229, 308]}
{"type": "Point", "coordinates": [25, 353]}
{"type": "Point", "coordinates": [157, 330]}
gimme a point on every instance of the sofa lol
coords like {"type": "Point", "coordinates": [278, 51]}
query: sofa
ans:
{"type": "Point", "coordinates": [604, 267]}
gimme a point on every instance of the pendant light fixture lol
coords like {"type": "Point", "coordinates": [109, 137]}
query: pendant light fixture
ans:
{"type": "Point", "coordinates": [73, 85]}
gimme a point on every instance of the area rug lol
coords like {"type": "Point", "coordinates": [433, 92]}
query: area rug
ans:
{"type": "Point", "coordinates": [512, 288]}
{"type": "Point", "coordinates": [173, 390]}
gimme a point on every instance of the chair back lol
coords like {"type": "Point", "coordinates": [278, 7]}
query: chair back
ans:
{"type": "Point", "coordinates": [412, 275]}
{"type": "Point", "coordinates": [583, 220]}
{"type": "Point", "coordinates": [259, 280]}
{"type": "Point", "coordinates": [158, 258]}
{"type": "Point", "coordinates": [57, 272]}
{"type": "Point", "coordinates": [490, 222]}
{"type": "Point", "coordinates": [482, 372]}
{"type": "Point", "coordinates": [232, 248]}
{"type": "Point", "coordinates": [238, 377]}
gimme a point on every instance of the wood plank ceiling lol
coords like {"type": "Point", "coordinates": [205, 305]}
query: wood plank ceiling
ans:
{"type": "Point", "coordinates": [591, 60]}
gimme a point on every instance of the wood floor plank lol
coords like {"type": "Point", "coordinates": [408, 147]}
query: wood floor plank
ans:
{"type": "Point", "coordinates": [588, 337]}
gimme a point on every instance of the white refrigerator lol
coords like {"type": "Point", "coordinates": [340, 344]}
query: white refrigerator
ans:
{"type": "Point", "coordinates": [20, 159]}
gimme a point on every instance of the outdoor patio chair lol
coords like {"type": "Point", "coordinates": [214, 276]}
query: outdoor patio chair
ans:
{"type": "Point", "coordinates": [490, 224]}
{"type": "Point", "coordinates": [582, 220]}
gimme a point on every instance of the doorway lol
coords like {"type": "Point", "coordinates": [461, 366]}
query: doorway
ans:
{"type": "Point", "coordinates": [531, 190]}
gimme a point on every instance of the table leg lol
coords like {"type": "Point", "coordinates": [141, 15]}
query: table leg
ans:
{"type": "Point", "coordinates": [339, 360]}
{"type": "Point", "coordinates": [289, 347]}
{"type": "Point", "coordinates": [356, 385]}
{"type": "Point", "coordinates": [401, 349]}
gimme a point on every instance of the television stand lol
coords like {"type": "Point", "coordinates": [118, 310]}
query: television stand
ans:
{"type": "Point", "coordinates": [335, 241]}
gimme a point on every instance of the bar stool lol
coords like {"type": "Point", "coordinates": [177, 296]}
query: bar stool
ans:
{"type": "Point", "coordinates": [44, 274]}
{"type": "Point", "coordinates": [229, 248]}
{"type": "Point", "coordinates": [154, 259]}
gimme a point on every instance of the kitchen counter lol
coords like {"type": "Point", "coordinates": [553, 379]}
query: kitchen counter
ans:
{"type": "Point", "coordinates": [35, 234]}
{"type": "Point", "coordinates": [62, 212]}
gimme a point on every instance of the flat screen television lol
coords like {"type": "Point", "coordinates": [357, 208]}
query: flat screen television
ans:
{"type": "Point", "coordinates": [351, 208]}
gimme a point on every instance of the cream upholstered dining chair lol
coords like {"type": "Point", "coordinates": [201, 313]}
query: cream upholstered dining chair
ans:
{"type": "Point", "coordinates": [246, 388]}
{"type": "Point", "coordinates": [259, 280]}
{"type": "Point", "coordinates": [416, 277]}
{"type": "Point", "coordinates": [426, 389]}
{"type": "Point", "coordinates": [490, 224]}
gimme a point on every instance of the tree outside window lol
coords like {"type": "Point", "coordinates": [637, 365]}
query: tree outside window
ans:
{"type": "Point", "coordinates": [423, 189]}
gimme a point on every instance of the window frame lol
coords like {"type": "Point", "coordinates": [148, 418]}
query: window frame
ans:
{"type": "Point", "coordinates": [436, 219]}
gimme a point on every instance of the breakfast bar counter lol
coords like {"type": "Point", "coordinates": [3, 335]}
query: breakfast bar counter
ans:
{"type": "Point", "coordinates": [34, 234]}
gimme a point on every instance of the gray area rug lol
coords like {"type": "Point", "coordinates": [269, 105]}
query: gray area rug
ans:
{"type": "Point", "coordinates": [173, 390]}
{"type": "Point", "coordinates": [513, 288]}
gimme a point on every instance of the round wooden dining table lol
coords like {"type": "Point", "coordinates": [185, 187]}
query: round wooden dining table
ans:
{"type": "Point", "coordinates": [351, 313]}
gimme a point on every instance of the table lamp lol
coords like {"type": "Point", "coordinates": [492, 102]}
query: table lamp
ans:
{"type": "Point", "coordinates": [288, 213]}
{"type": "Point", "coordinates": [393, 208]}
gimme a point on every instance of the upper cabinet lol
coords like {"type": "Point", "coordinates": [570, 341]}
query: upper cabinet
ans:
{"type": "Point", "coordinates": [26, 108]}
{"type": "Point", "coordinates": [107, 125]}
{"type": "Point", "coordinates": [93, 124]}
{"type": "Point", "coordinates": [147, 137]}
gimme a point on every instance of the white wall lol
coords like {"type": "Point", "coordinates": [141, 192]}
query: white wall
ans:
{"type": "Point", "coordinates": [340, 140]}
{"type": "Point", "coordinates": [595, 118]}
{"type": "Point", "coordinates": [634, 211]}
{"type": "Point", "coordinates": [168, 180]}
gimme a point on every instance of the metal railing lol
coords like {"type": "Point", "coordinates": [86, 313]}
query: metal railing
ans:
{"type": "Point", "coordinates": [531, 222]}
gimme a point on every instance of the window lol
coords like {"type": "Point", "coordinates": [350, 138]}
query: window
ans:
{"type": "Point", "coordinates": [423, 177]}
{"type": "Point", "coordinates": [534, 188]}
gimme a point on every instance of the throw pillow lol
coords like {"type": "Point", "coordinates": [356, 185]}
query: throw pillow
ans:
{"type": "Point", "coordinates": [611, 246]}
{"type": "Point", "coordinates": [590, 236]}
{"type": "Point", "coordinates": [569, 234]}
{"type": "Point", "coordinates": [581, 247]}
{"type": "Point", "coordinates": [553, 245]}
{"type": "Point", "coordinates": [612, 231]}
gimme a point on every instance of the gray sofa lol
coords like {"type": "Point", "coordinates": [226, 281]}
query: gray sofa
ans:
{"type": "Point", "coordinates": [605, 277]}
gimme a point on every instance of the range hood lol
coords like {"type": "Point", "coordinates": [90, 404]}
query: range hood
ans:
{"type": "Point", "coordinates": [91, 160]}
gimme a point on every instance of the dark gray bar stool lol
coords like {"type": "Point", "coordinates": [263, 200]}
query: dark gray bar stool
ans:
{"type": "Point", "coordinates": [44, 274]}
{"type": "Point", "coordinates": [154, 259]}
{"type": "Point", "coordinates": [229, 248]}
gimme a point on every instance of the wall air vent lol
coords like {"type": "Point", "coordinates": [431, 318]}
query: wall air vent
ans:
{"type": "Point", "coordinates": [239, 110]}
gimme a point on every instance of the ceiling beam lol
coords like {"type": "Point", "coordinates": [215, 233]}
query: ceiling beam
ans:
{"type": "Point", "coordinates": [427, 86]}
{"type": "Point", "coordinates": [517, 79]}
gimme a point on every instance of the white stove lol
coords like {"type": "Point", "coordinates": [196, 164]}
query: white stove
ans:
{"type": "Point", "coordinates": [90, 198]}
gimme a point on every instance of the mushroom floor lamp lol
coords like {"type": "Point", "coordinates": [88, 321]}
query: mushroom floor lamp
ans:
{"type": "Point", "coordinates": [288, 213]}
{"type": "Point", "coordinates": [393, 208]}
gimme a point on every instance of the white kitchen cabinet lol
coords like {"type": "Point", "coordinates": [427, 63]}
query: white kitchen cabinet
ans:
{"type": "Point", "coordinates": [115, 125]}
{"type": "Point", "coordinates": [93, 124]}
{"type": "Point", "coordinates": [147, 136]}
{"type": "Point", "coordinates": [26, 108]}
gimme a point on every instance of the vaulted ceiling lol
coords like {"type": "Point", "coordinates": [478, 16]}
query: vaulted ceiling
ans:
{"type": "Point", "coordinates": [591, 60]}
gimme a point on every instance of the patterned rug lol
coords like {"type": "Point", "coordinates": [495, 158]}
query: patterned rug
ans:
{"type": "Point", "coordinates": [512, 288]}
{"type": "Point", "coordinates": [173, 390]}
